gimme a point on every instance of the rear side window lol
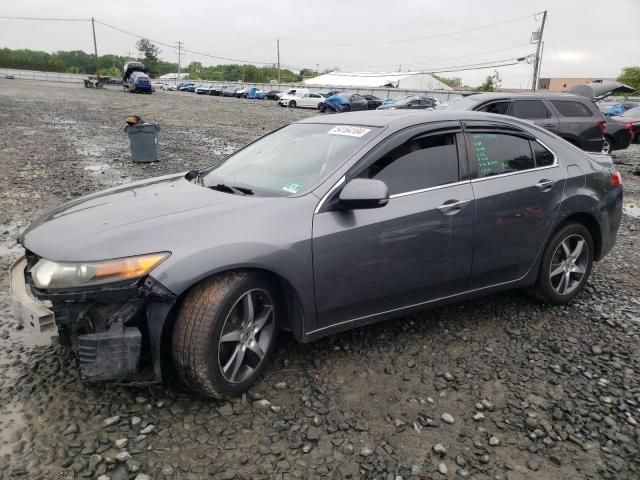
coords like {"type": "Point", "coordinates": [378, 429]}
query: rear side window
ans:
{"type": "Point", "coordinates": [571, 109]}
{"type": "Point", "coordinates": [497, 153]}
{"type": "Point", "coordinates": [417, 164]}
{"type": "Point", "coordinates": [529, 109]}
{"type": "Point", "coordinates": [543, 157]}
{"type": "Point", "coordinates": [500, 108]}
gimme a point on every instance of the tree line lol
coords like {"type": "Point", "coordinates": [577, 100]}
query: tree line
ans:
{"type": "Point", "coordinates": [77, 61]}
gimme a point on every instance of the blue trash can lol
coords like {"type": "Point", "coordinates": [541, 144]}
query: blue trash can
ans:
{"type": "Point", "coordinates": [143, 139]}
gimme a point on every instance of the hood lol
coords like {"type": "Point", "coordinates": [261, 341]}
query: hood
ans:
{"type": "Point", "coordinates": [601, 89]}
{"type": "Point", "coordinates": [127, 220]}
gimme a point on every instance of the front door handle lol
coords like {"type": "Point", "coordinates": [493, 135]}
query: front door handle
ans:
{"type": "Point", "coordinates": [451, 207]}
{"type": "Point", "coordinates": [544, 185]}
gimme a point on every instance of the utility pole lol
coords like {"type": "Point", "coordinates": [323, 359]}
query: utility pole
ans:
{"type": "Point", "coordinates": [278, 48]}
{"type": "Point", "coordinates": [179, 57]}
{"type": "Point", "coordinates": [243, 68]}
{"type": "Point", "coordinates": [537, 35]}
{"type": "Point", "coordinates": [95, 48]}
{"type": "Point", "coordinates": [317, 68]}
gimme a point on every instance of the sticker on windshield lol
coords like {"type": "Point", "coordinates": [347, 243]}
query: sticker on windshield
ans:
{"type": "Point", "coordinates": [349, 131]}
{"type": "Point", "coordinates": [291, 188]}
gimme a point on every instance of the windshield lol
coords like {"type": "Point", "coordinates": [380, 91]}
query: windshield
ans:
{"type": "Point", "coordinates": [290, 160]}
{"type": "Point", "coordinates": [633, 112]}
{"type": "Point", "coordinates": [466, 103]}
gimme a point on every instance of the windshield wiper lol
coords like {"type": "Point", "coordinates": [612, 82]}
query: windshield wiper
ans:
{"type": "Point", "coordinates": [221, 187]}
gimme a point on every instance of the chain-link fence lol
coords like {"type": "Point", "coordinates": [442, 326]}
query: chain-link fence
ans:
{"type": "Point", "coordinates": [442, 95]}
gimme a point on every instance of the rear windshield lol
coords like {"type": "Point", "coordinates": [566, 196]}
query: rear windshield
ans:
{"type": "Point", "coordinates": [291, 160]}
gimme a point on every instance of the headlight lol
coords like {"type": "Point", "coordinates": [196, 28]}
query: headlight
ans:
{"type": "Point", "coordinates": [50, 274]}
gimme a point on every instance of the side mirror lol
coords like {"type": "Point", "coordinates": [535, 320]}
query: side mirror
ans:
{"type": "Point", "coordinates": [362, 193]}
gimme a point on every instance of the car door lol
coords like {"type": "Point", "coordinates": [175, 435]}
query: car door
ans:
{"type": "Point", "coordinates": [417, 103]}
{"type": "Point", "coordinates": [536, 111]}
{"type": "Point", "coordinates": [414, 249]}
{"type": "Point", "coordinates": [517, 185]}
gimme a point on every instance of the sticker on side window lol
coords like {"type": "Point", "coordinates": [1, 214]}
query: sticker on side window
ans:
{"type": "Point", "coordinates": [349, 131]}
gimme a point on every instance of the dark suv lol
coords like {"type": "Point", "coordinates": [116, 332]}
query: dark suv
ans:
{"type": "Point", "coordinates": [575, 118]}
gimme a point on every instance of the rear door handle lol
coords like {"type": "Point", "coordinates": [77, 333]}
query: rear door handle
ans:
{"type": "Point", "coordinates": [544, 185]}
{"type": "Point", "coordinates": [451, 207]}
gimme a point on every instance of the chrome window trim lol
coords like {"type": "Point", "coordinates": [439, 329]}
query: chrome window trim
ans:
{"type": "Point", "coordinates": [342, 180]}
{"type": "Point", "coordinates": [437, 187]}
{"type": "Point", "coordinates": [556, 164]}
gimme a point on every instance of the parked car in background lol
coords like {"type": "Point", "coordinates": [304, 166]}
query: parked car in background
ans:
{"type": "Point", "coordinates": [572, 117]}
{"type": "Point", "coordinates": [229, 91]}
{"type": "Point", "coordinates": [610, 109]}
{"type": "Point", "coordinates": [632, 118]}
{"type": "Point", "coordinates": [373, 102]}
{"type": "Point", "coordinates": [330, 93]}
{"type": "Point", "coordinates": [203, 89]}
{"type": "Point", "coordinates": [412, 102]}
{"type": "Point", "coordinates": [361, 217]}
{"type": "Point", "coordinates": [292, 91]}
{"type": "Point", "coordinates": [216, 90]}
{"type": "Point", "coordinates": [185, 87]}
{"type": "Point", "coordinates": [242, 92]}
{"type": "Point", "coordinates": [344, 102]}
{"type": "Point", "coordinates": [272, 94]}
{"type": "Point", "coordinates": [618, 135]}
{"type": "Point", "coordinates": [302, 99]}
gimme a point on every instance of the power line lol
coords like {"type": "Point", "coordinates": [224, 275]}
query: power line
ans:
{"type": "Point", "coordinates": [448, 58]}
{"type": "Point", "coordinates": [453, 68]}
{"type": "Point", "coordinates": [416, 39]}
{"type": "Point", "coordinates": [47, 19]}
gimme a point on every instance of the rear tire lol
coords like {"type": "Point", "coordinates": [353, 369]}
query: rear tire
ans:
{"type": "Point", "coordinates": [607, 145]}
{"type": "Point", "coordinates": [225, 333]}
{"type": "Point", "coordinates": [566, 265]}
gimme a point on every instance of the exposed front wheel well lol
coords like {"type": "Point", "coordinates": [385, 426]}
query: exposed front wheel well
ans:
{"type": "Point", "coordinates": [293, 320]}
{"type": "Point", "coordinates": [590, 222]}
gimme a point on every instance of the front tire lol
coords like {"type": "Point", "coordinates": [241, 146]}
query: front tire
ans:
{"type": "Point", "coordinates": [607, 145]}
{"type": "Point", "coordinates": [566, 265]}
{"type": "Point", "coordinates": [292, 104]}
{"type": "Point", "coordinates": [225, 333]}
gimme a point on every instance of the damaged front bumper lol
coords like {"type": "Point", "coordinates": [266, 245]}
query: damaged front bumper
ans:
{"type": "Point", "coordinates": [114, 330]}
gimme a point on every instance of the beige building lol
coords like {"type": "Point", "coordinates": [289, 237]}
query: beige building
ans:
{"type": "Point", "coordinates": [564, 84]}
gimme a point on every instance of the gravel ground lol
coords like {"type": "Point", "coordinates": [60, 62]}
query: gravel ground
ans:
{"type": "Point", "coordinates": [500, 387]}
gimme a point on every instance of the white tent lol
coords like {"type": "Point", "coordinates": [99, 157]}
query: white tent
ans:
{"type": "Point", "coordinates": [402, 80]}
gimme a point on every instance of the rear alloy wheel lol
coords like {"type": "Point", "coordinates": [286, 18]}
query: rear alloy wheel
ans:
{"type": "Point", "coordinates": [607, 144]}
{"type": "Point", "coordinates": [225, 333]}
{"type": "Point", "coordinates": [566, 265]}
{"type": "Point", "coordinates": [292, 104]}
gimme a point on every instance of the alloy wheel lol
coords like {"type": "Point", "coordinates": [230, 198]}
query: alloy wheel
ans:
{"type": "Point", "coordinates": [569, 264]}
{"type": "Point", "coordinates": [246, 335]}
{"type": "Point", "coordinates": [606, 146]}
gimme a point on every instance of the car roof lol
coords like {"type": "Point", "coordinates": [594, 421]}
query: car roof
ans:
{"type": "Point", "coordinates": [398, 119]}
{"type": "Point", "coordinates": [525, 95]}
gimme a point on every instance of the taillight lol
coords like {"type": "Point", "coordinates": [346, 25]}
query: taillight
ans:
{"type": "Point", "coordinates": [628, 125]}
{"type": "Point", "coordinates": [616, 178]}
{"type": "Point", "coordinates": [602, 125]}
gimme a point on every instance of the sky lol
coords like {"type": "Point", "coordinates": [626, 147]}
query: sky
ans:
{"type": "Point", "coordinates": [581, 37]}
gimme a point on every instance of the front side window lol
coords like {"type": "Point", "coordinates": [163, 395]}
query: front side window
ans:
{"type": "Point", "coordinates": [290, 160]}
{"type": "Point", "coordinates": [529, 109]}
{"type": "Point", "coordinates": [497, 153]}
{"type": "Point", "coordinates": [417, 164]}
{"type": "Point", "coordinates": [571, 109]}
